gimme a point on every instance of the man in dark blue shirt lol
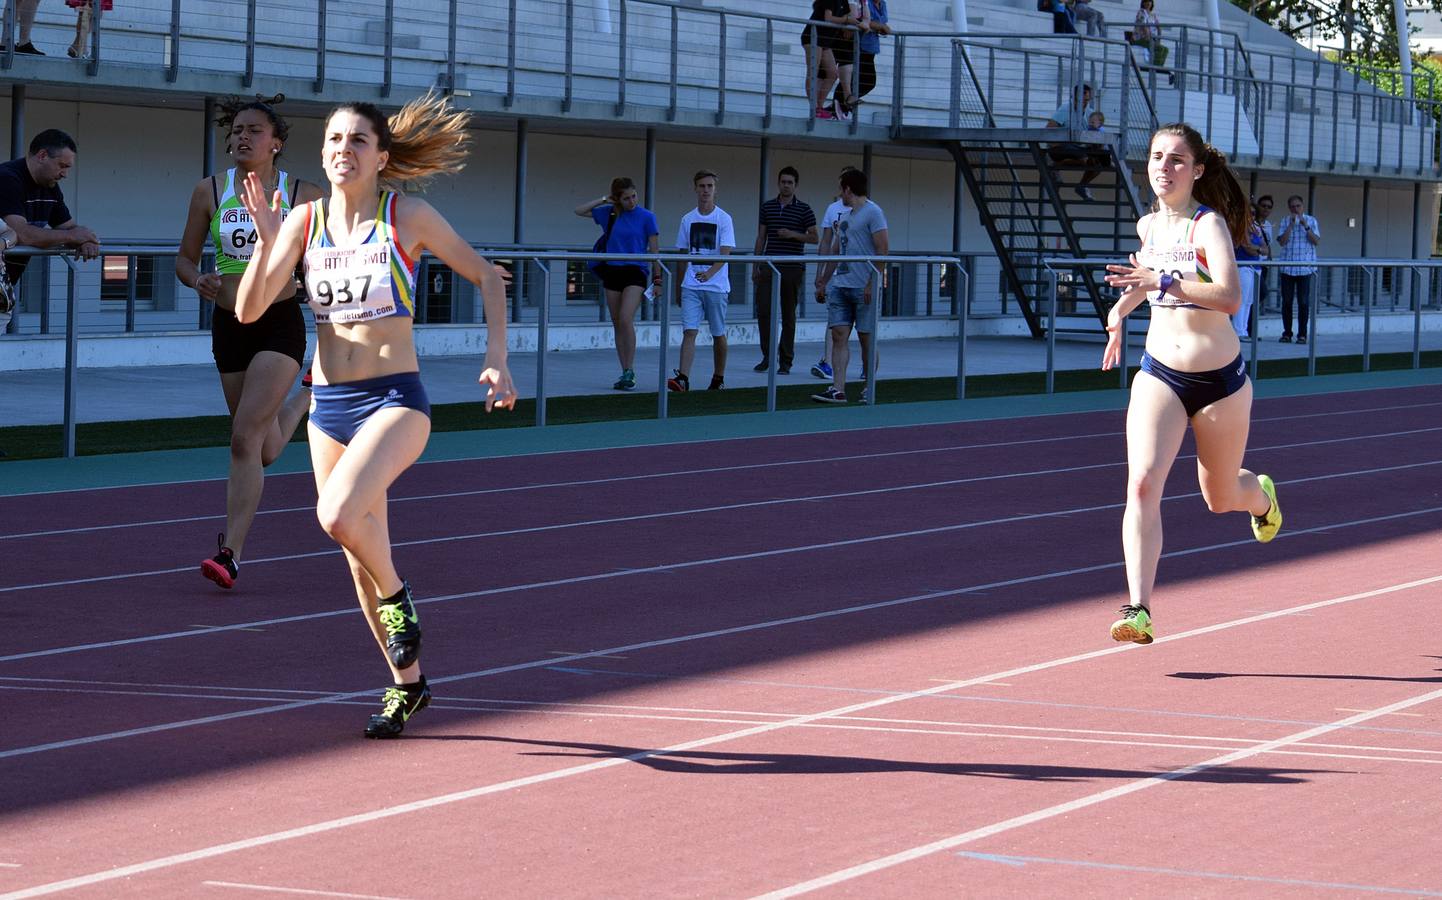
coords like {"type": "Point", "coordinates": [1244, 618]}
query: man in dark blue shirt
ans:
{"type": "Point", "coordinates": [32, 203]}
{"type": "Point", "coordinates": [787, 225]}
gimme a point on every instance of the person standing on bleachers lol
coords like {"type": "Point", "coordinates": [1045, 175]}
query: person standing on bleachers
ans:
{"type": "Point", "coordinates": [1147, 32]}
{"type": "Point", "coordinates": [25, 22]}
{"type": "Point", "coordinates": [828, 46]}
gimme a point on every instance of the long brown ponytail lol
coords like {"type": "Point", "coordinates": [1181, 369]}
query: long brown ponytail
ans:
{"type": "Point", "coordinates": [426, 138]}
{"type": "Point", "coordinates": [1218, 187]}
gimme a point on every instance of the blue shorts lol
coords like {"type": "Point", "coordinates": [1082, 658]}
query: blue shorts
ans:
{"type": "Point", "coordinates": [709, 304]}
{"type": "Point", "coordinates": [847, 306]}
{"type": "Point", "coordinates": [1198, 390]}
{"type": "Point", "coordinates": [339, 410]}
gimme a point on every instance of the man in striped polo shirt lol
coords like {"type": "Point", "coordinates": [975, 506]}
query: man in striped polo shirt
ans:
{"type": "Point", "coordinates": [787, 225]}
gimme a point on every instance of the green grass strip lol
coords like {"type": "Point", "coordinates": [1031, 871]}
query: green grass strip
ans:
{"type": "Point", "coordinates": [95, 438]}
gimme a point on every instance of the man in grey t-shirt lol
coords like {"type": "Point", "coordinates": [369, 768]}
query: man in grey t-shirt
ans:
{"type": "Point", "coordinates": [861, 232]}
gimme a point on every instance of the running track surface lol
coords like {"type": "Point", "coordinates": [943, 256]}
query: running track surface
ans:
{"type": "Point", "coordinates": [870, 663]}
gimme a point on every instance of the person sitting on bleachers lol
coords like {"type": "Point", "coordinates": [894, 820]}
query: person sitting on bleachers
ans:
{"type": "Point", "coordinates": [1061, 16]}
{"type": "Point", "coordinates": [1077, 153]}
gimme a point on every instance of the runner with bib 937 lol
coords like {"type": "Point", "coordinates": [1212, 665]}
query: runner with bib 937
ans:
{"type": "Point", "coordinates": [1192, 370]}
{"type": "Point", "coordinates": [370, 418]}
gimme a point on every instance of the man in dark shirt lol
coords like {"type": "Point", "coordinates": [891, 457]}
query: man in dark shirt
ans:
{"type": "Point", "coordinates": [787, 225]}
{"type": "Point", "coordinates": [31, 201]}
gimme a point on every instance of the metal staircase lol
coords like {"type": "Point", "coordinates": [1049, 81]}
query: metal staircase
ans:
{"type": "Point", "coordinates": [1028, 202]}
{"type": "Point", "coordinates": [1031, 209]}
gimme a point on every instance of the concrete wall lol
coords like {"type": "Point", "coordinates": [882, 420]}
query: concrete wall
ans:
{"type": "Point", "coordinates": [138, 165]}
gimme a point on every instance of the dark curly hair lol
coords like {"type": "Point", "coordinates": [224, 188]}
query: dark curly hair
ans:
{"type": "Point", "coordinates": [230, 107]}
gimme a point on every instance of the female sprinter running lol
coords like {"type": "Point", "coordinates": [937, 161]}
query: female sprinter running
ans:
{"type": "Point", "coordinates": [257, 362]}
{"type": "Point", "coordinates": [1192, 369]}
{"type": "Point", "coordinates": [370, 417]}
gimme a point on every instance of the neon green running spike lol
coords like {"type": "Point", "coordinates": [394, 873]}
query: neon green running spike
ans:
{"type": "Point", "coordinates": [1266, 527]}
{"type": "Point", "coordinates": [1135, 625]}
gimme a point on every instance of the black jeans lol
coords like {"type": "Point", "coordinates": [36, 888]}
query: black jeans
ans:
{"type": "Point", "coordinates": [1299, 286]}
{"type": "Point", "coordinates": [791, 278]}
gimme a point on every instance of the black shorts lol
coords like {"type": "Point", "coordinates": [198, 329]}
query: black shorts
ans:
{"type": "Point", "coordinates": [1198, 390]}
{"type": "Point", "coordinates": [618, 278]}
{"type": "Point", "coordinates": [281, 330]}
{"type": "Point", "coordinates": [830, 37]}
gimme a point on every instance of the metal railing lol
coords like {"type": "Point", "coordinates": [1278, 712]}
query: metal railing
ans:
{"type": "Point", "coordinates": [713, 64]}
{"type": "Point", "coordinates": [544, 264]}
{"type": "Point", "coordinates": [1420, 288]}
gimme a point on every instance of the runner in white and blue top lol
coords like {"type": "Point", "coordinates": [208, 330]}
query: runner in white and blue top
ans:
{"type": "Point", "coordinates": [370, 418]}
{"type": "Point", "coordinates": [1192, 372]}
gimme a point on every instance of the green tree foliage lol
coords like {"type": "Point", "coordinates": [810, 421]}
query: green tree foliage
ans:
{"type": "Point", "coordinates": [1366, 29]}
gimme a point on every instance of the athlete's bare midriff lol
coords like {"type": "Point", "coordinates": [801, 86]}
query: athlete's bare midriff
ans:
{"type": "Point", "coordinates": [1192, 340]}
{"type": "Point", "coordinates": [363, 350]}
{"type": "Point", "coordinates": [230, 285]}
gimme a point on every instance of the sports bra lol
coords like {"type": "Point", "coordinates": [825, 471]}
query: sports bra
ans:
{"type": "Point", "coordinates": [363, 282]}
{"type": "Point", "coordinates": [230, 227]}
{"type": "Point", "coordinates": [1184, 261]}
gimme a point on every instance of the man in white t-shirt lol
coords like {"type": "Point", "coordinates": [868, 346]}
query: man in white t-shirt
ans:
{"type": "Point", "coordinates": [705, 288]}
{"type": "Point", "coordinates": [833, 214]}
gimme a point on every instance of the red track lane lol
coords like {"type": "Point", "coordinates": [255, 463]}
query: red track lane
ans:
{"type": "Point", "coordinates": [807, 801]}
{"type": "Point", "coordinates": [802, 801]}
{"type": "Point", "coordinates": [309, 584]}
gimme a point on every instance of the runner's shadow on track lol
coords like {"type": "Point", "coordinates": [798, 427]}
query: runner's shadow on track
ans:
{"type": "Point", "coordinates": [693, 762]}
{"type": "Point", "coordinates": [1208, 676]}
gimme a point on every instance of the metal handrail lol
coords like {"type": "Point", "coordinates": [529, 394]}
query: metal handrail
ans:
{"type": "Point", "coordinates": [1243, 78]}
{"type": "Point", "coordinates": [664, 261]}
{"type": "Point", "coordinates": [1369, 266]}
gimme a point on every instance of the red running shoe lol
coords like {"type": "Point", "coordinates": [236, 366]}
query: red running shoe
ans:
{"type": "Point", "coordinates": [221, 568]}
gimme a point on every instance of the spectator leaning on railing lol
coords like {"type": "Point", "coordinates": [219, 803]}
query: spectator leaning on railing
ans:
{"type": "Point", "coordinates": [828, 52]}
{"type": "Point", "coordinates": [32, 203]}
{"type": "Point", "coordinates": [7, 293]}
{"type": "Point", "coordinates": [874, 26]}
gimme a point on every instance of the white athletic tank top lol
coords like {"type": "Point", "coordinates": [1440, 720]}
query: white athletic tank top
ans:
{"type": "Point", "coordinates": [367, 281]}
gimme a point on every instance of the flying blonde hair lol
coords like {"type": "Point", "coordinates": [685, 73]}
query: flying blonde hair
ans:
{"type": "Point", "coordinates": [426, 138]}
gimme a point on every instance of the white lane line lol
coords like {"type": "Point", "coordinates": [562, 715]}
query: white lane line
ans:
{"type": "Point", "coordinates": [1023, 861]}
{"type": "Point", "coordinates": [782, 435]}
{"type": "Point", "coordinates": [732, 507]}
{"type": "Point", "coordinates": [304, 831]}
{"type": "Point", "coordinates": [1061, 809]}
{"type": "Point", "coordinates": [290, 890]}
{"type": "Point", "coordinates": [709, 471]}
{"type": "Point", "coordinates": [1350, 709]}
{"type": "Point", "coordinates": [842, 723]}
{"type": "Point", "coordinates": [9, 865]}
{"type": "Point", "coordinates": [671, 567]}
{"type": "Point", "coordinates": [737, 629]}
